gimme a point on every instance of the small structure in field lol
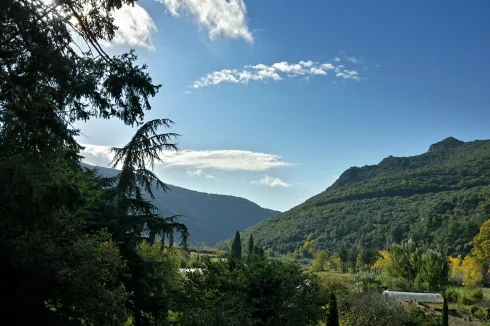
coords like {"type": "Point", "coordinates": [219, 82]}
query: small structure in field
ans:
{"type": "Point", "coordinates": [190, 270]}
{"type": "Point", "coordinates": [412, 296]}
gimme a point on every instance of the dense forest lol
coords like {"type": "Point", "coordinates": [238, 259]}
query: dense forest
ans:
{"type": "Point", "coordinates": [439, 199]}
{"type": "Point", "coordinates": [209, 218]}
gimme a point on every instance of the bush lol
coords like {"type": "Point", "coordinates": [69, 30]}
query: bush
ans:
{"type": "Point", "coordinates": [397, 284]}
{"type": "Point", "coordinates": [335, 285]}
{"type": "Point", "coordinates": [252, 291]}
{"type": "Point", "coordinates": [476, 294]}
{"type": "Point", "coordinates": [481, 313]}
{"type": "Point", "coordinates": [452, 295]}
{"type": "Point", "coordinates": [471, 297]}
{"type": "Point", "coordinates": [372, 309]}
{"type": "Point", "coordinates": [369, 280]}
{"type": "Point", "coordinates": [465, 299]}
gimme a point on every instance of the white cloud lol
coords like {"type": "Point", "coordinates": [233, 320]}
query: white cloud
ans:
{"type": "Point", "coordinates": [135, 27]}
{"type": "Point", "coordinates": [272, 182]}
{"type": "Point", "coordinates": [354, 59]}
{"type": "Point", "coordinates": [226, 18]}
{"type": "Point", "coordinates": [327, 66]}
{"type": "Point", "coordinates": [228, 160]}
{"type": "Point", "coordinates": [337, 59]}
{"type": "Point", "coordinates": [306, 64]}
{"type": "Point", "coordinates": [338, 68]}
{"type": "Point", "coordinates": [275, 72]}
{"type": "Point", "coordinates": [289, 68]}
{"type": "Point", "coordinates": [349, 74]}
{"type": "Point", "coordinates": [209, 176]}
{"type": "Point", "coordinates": [318, 71]}
{"type": "Point", "coordinates": [195, 173]}
{"type": "Point", "coordinates": [187, 92]}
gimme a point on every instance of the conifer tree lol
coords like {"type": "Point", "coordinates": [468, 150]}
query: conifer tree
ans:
{"type": "Point", "coordinates": [50, 206]}
{"type": "Point", "coordinates": [236, 247]}
{"type": "Point", "coordinates": [333, 313]}
{"type": "Point", "coordinates": [445, 312]}
{"type": "Point", "coordinates": [250, 244]}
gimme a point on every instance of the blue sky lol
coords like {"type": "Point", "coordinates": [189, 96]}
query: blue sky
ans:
{"type": "Point", "coordinates": [275, 99]}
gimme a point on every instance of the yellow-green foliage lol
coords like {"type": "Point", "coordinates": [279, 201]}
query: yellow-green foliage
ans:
{"type": "Point", "coordinates": [320, 261]}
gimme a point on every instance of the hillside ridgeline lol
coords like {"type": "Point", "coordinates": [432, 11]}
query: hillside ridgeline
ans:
{"type": "Point", "coordinates": [438, 199]}
{"type": "Point", "coordinates": [210, 218]}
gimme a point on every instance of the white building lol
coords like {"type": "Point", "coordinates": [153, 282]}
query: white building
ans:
{"type": "Point", "coordinates": [412, 296]}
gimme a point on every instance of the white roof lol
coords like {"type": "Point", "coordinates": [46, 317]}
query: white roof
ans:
{"type": "Point", "coordinates": [413, 296]}
{"type": "Point", "coordinates": [190, 270]}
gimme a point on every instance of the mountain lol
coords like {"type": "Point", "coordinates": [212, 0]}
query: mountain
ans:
{"type": "Point", "coordinates": [210, 218]}
{"type": "Point", "coordinates": [439, 199]}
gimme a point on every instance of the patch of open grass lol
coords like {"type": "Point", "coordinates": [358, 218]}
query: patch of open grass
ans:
{"type": "Point", "coordinates": [336, 275]}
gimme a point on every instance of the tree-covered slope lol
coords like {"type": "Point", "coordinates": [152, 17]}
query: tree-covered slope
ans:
{"type": "Point", "coordinates": [210, 218]}
{"type": "Point", "coordinates": [439, 199]}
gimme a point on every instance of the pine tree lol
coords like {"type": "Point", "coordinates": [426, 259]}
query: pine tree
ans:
{"type": "Point", "coordinates": [333, 314]}
{"type": "Point", "coordinates": [236, 247]}
{"type": "Point", "coordinates": [250, 244]}
{"type": "Point", "coordinates": [50, 206]}
{"type": "Point", "coordinates": [139, 220]}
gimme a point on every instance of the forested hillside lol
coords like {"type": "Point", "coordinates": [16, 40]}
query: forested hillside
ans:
{"type": "Point", "coordinates": [439, 198]}
{"type": "Point", "coordinates": [209, 218]}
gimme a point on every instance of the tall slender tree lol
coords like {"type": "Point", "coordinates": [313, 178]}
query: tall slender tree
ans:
{"type": "Point", "coordinates": [333, 313]}
{"type": "Point", "coordinates": [236, 247]}
{"type": "Point", "coordinates": [445, 312]}
{"type": "Point", "coordinates": [138, 220]}
{"type": "Point", "coordinates": [250, 244]}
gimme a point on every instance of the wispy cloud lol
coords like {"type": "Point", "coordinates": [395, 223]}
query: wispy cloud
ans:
{"type": "Point", "coordinates": [209, 176]}
{"type": "Point", "coordinates": [195, 173]}
{"type": "Point", "coordinates": [226, 18]}
{"type": "Point", "coordinates": [275, 72]}
{"type": "Point", "coordinates": [272, 182]}
{"type": "Point", "coordinates": [228, 160]}
{"type": "Point", "coordinates": [348, 74]}
{"type": "Point", "coordinates": [337, 59]}
{"type": "Point", "coordinates": [354, 59]}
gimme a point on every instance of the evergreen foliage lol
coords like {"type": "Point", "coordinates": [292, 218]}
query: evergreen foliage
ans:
{"type": "Point", "coordinates": [333, 313]}
{"type": "Point", "coordinates": [439, 199]}
{"type": "Point", "coordinates": [70, 238]}
{"type": "Point", "coordinates": [236, 247]}
{"type": "Point", "coordinates": [445, 313]}
{"type": "Point", "coordinates": [250, 244]}
{"type": "Point", "coordinates": [256, 291]}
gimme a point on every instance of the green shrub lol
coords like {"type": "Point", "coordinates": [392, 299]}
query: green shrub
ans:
{"type": "Point", "coordinates": [369, 280]}
{"type": "Point", "coordinates": [471, 296]}
{"type": "Point", "coordinates": [335, 285]}
{"type": "Point", "coordinates": [465, 299]}
{"type": "Point", "coordinates": [476, 294]}
{"type": "Point", "coordinates": [372, 309]}
{"type": "Point", "coordinates": [452, 295]}
{"type": "Point", "coordinates": [481, 313]}
{"type": "Point", "coordinates": [251, 291]}
{"type": "Point", "coordinates": [397, 284]}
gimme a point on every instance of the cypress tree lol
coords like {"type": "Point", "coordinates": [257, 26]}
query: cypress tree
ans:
{"type": "Point", "coordinates": [250, 244]}
{"type": "Point", "coordinates": [333, 314]}
{"type": "Point", "coordinates": [445, 312]}
{"type": "Point", "coordinates": [236, 247]}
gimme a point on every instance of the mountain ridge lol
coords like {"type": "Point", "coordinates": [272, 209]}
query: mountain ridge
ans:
{"type": "Point", "coordinates": [375, 205]}
{"type": "Point", "coordinates": [209, 217]}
